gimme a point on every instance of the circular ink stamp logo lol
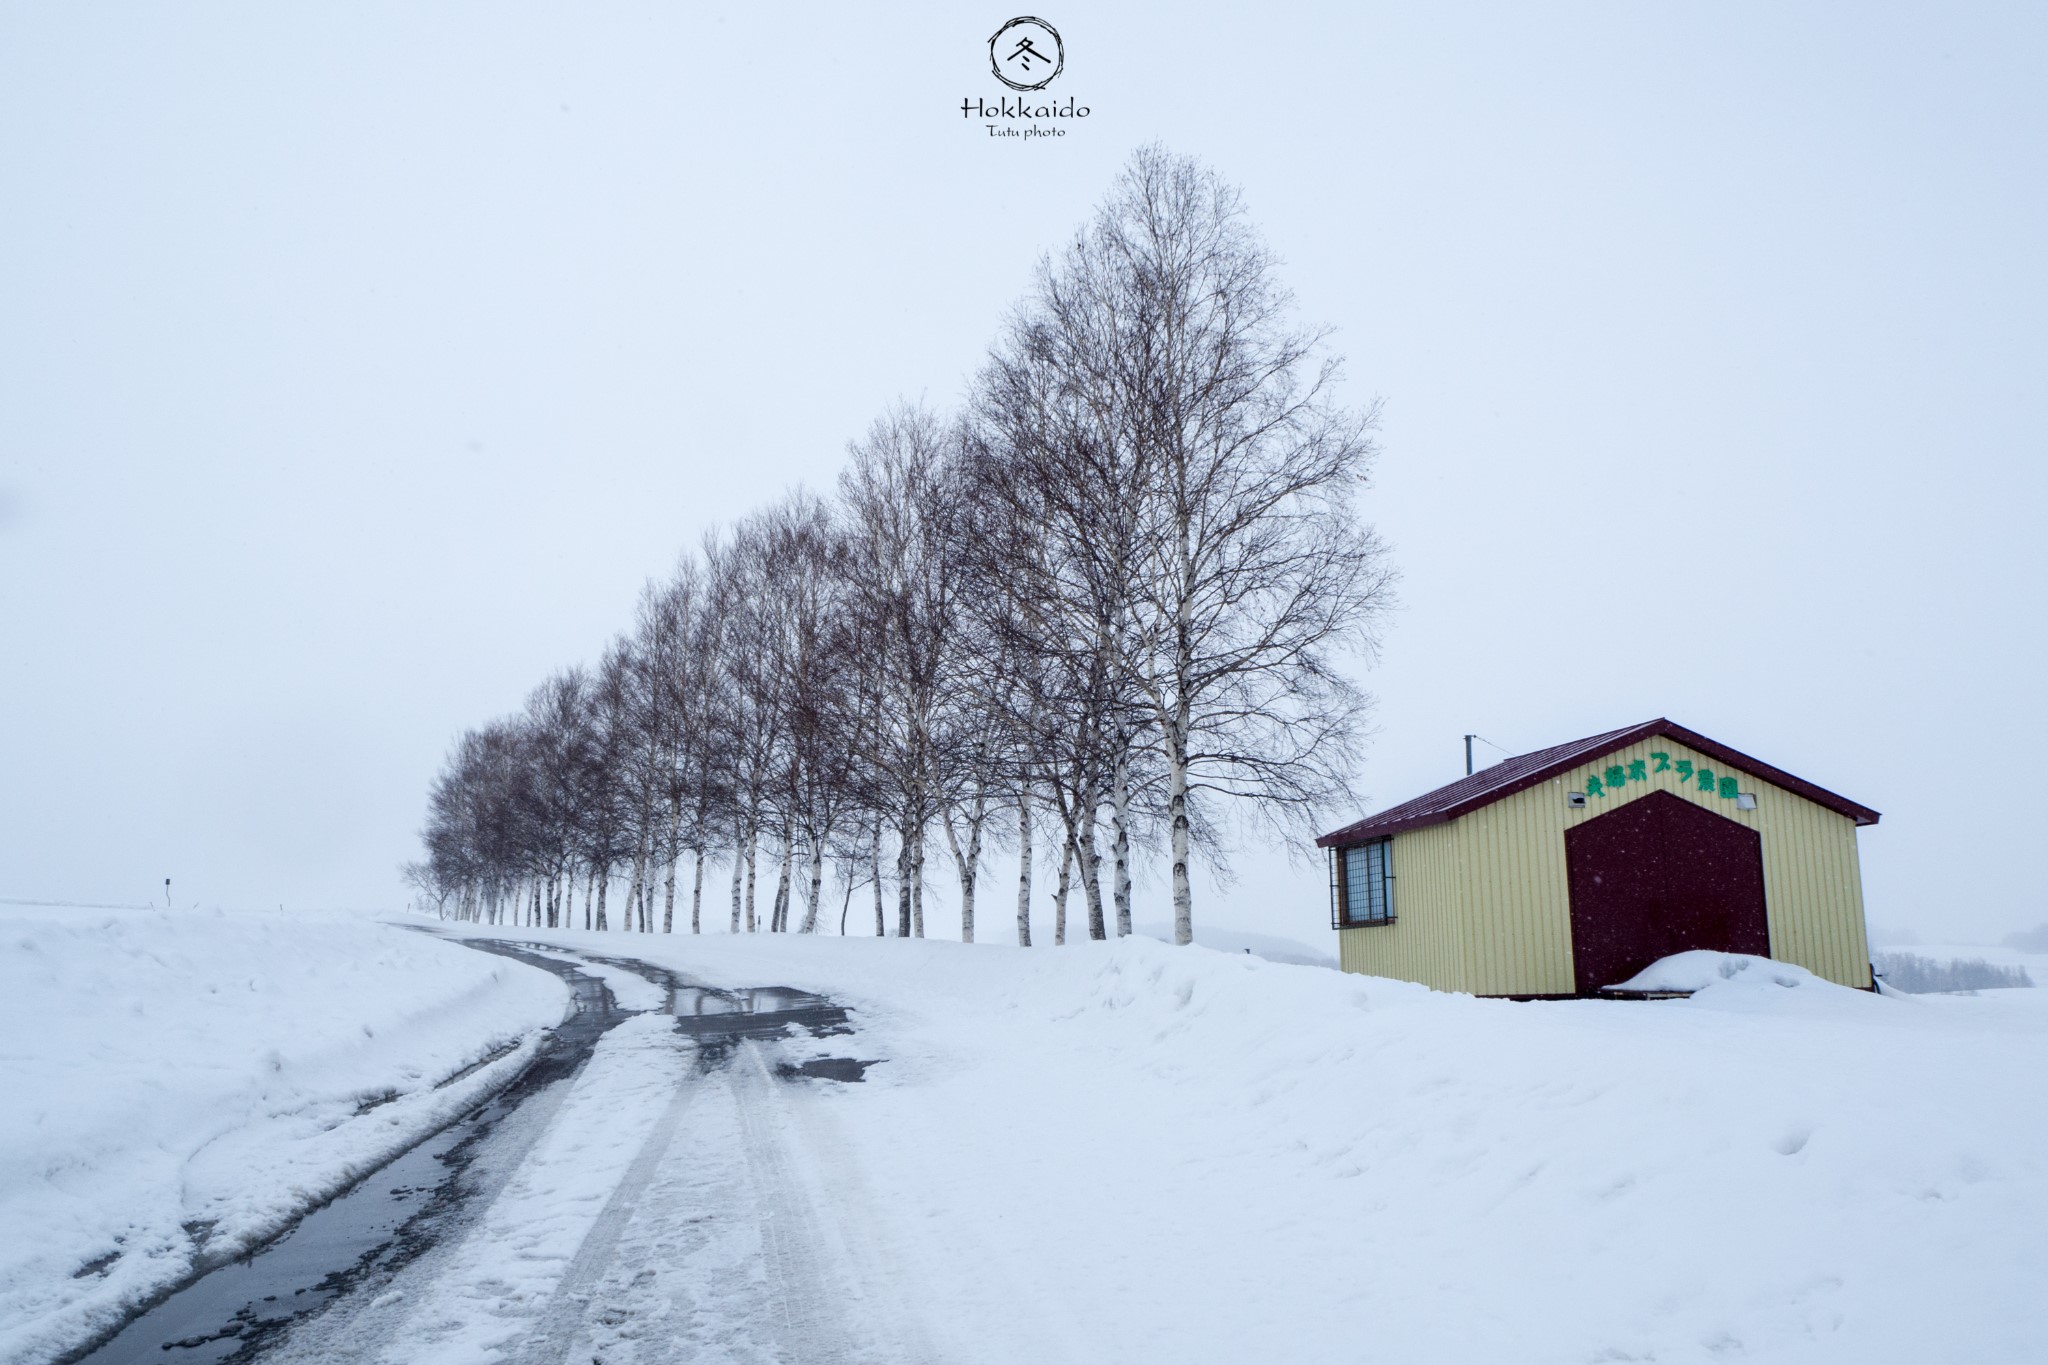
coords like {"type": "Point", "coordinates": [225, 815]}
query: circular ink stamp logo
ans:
{"type": "Point", "coordinates": [1026, 53]}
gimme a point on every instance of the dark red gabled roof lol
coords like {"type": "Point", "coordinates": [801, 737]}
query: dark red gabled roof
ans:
{"type": "Point", "coordinates": [1519, 773]}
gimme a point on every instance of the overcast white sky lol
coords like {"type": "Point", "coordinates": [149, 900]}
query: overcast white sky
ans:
{"type": "Point", "coordinates": [358, 364]}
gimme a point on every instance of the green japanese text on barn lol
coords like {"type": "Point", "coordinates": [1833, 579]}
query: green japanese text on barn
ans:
{"type": "Point", "coordinates": [1568, 870]}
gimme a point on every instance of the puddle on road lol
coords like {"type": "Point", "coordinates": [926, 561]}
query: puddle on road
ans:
{"type": "Point", "coordinates": [234, 1312]}
{"type": "Point", "coordinates": [709, 1014]}
{"type": "Point", "coordinates": [826, 1069]}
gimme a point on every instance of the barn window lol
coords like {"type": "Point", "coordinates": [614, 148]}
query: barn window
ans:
{"type": "Point", "coordinates": [1365, 884]}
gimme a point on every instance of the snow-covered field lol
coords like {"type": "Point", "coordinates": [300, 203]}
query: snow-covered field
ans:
{"type": "Point", "coordinates": [2034, 964]}
{"type": "Point", "coordinates": [1133, 1152]}
{"type": "Point", "coordinates": [181, 1085]}
{"type": "Point", "coordinates": [1103, 1152]}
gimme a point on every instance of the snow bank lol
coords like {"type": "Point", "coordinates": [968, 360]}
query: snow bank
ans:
{"type": "Point", "coordinates": [183, 1085]}
{"type": "Point", "coordinates": [1271, 947]}
{"type": "Point", "coordinates": [1139, 1152]}
{"type": "Point", "coordinates": [1700, 968]}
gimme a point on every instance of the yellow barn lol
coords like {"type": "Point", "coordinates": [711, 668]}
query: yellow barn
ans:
{"type": "Point", "coordinates": [1570, 869]}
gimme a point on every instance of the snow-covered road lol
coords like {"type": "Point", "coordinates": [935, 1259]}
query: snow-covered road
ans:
{"type": "Point", "coordinates": [681, 1195]}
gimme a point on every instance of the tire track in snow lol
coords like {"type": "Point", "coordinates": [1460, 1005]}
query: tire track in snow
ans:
{"type": "Point", "coordinates": [574, 1295]}
{"type": "Point", "coordinates": [736, 1247]}
{"type": "Point", "coordinates": [503, 1274]}
{"type": "Point", "coordinates": [792, 1235]}
{"type": "Point", "coordinates": [835, 1297]}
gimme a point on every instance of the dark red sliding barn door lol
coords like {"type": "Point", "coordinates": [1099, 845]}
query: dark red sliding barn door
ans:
{"type": "Point", "coordinates": [1658, 876]}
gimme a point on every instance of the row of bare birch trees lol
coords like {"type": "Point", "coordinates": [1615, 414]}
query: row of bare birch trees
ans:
{"type": "Point", "coordinates": [1105, 606]}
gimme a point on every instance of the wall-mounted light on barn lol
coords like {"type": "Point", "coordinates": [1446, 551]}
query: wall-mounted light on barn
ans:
{"type": "Point", "coordinates": [1745, 801]}
{"type": "Point", "coordinates": [1576, 800]}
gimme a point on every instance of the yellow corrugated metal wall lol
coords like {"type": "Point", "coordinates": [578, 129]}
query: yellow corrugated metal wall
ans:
{"type": "Point", "coordinates": [1495, 882]}
{"type": "Point", "coordinates": [1426, 941]}
{"type": "Point", "coordinates": [1515, 891]}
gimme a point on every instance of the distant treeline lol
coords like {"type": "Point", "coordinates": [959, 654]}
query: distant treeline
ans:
{"type": "Point", "coordinates": [2034, 940]}
{"type": "Point", "coordinates": [1919, 975]}
{"type": "Point", "coordinates": [1102, 602]}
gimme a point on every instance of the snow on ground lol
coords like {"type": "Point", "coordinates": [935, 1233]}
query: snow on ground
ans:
{"type": "Point", "coordinates": [181, 1085]}
{"type": "Point", "coordinates": [1271, 947]}
{"type": "Point", "coordinates": [1098, 1152]}
{"type": "Point", "coordinates": [1137, 1152]}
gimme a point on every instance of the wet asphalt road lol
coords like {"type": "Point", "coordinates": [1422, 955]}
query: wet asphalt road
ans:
{"type": "Point", "coordinates": [238, 1311]}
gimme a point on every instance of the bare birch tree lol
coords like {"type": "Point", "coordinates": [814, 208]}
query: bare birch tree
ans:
{"type": "Point", "coordinates": [902, 578]}
{"type": "Point", "coordinates": [1160, 409]}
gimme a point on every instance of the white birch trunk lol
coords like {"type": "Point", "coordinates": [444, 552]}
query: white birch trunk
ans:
{"type": "Point", "coordinates": [917, 891]}
{"type": "Point", "coordinates": [753, 854]}
{"type": "Point", "coordinates": [697, 897]}
{"type": "Point", "coordinates": [875, 871]}
{"type": "Point", "coordinates": [810, 925]}
{"type": "Point", "coordinates": [1091, 871]}
{"type": "Point", "coordinates": [968, 861]}
{"type": "Point", "coordinates": [1177, 816]}
{"type": "Point", "coordinates": [738, 863]}
{"type": "Point", "coordinates": [778, 918]}
{"type": "Point", "coordinates": [903, 883]}
{"type": "Point", "coordinates": [1120, 816]}
{"type": "Point", "coordinates": [1178, 722]}
{"type": "Point", "coordinates": [642, 871]}
{"type": "Point", "coordinates": [633, 890]}
{"type": "Point", "coordinates": [1024, 869]}
{"type": "Point", "coordinates": [1059, 895]}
